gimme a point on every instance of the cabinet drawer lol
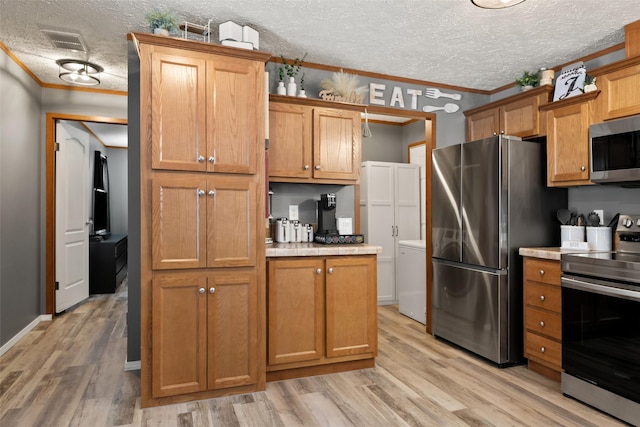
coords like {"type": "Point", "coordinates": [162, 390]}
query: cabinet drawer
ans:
{"type": "Point", "coordinates": [542, 270]}
{"type": "Point", "coordinates": [543, 296]}
{"type": "Point", "coordinates": [543, 350]}
{"type": "Point", "coordinates": [543, 322]}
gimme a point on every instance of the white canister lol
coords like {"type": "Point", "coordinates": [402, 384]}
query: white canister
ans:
{"type": "Point", "coordinates": [572, 233]}
{"type": "Point", "coordinates": [309, 232]}
{"type": "Point", "coordinates": [282, 230]}
{"type": "Point", "coordinates": [599, 238]}
{"type": "Point", "coordinates": [295, 232]}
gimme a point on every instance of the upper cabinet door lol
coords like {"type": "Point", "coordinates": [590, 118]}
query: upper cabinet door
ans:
{"type": "Point", "coordinates": [235, 110]}
{"type": "Point", "coordinates": [178, 115]}
{"type": "Point", "coordinates": [521, 118]}
{"type": "Point", "coordinates": [290, 140]}
{"type": "Point", "coordinates": [336, 144]}
{"type": "Point", "coordinates": [483, 124]}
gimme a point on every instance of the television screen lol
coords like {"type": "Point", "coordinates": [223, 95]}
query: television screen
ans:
{"type": "Point", "coordinates": [101, 224]}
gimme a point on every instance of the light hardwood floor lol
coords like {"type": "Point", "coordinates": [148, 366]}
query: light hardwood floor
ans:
{"type": "Point", "coordinates": [70, 372]}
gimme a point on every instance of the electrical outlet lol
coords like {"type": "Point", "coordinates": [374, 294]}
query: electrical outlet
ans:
{"type": "Point", "coordinates": [600, 213]}
{"type": "Point", "coordinates": [293, 212]}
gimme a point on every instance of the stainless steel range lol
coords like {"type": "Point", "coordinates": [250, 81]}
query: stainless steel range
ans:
{"type": "Point", "coordinates": [601, 324]}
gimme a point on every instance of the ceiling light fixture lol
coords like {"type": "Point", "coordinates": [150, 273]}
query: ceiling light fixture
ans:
{"type": "Point", "coordinates": [79, 72]}
{"type": "Point", "coordinates": [495, 4]}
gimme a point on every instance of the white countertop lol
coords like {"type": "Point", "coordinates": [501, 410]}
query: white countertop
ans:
{"type": "Point", "coordinates": [317, 249]}
{"type": "Point", "coordinates": [548, 253]}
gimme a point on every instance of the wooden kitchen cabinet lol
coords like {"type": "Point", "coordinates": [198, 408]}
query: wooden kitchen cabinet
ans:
{"type": "Point", "coordinates": [568, 123]}
{"type": "Point", "coordinates": [543, 316]}
{"type": "Point", "coordinates": [202, 255]}
{"type": "Point", "coordinates": [619, 84]}
{"type": "Point", "coordinates": [516, 115]}
{"type": "Point", "coordinates": [204, 111]}
{"type": "Point", "coordinates": [204, 330]}
{"type": "Point", "coordinates": [322, 315]}
{"type": "Point", "coordinates": [203, 220]}
{"type": "Point", "coordinates": [313, 141]}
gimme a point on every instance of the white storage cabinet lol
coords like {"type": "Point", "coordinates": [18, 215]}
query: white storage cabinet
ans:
{"type": "Point", "coordinates": [389, 212]}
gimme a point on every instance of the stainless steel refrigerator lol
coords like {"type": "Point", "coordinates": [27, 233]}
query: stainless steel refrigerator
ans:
{"type": "Point", "coordinates": [489, 199]}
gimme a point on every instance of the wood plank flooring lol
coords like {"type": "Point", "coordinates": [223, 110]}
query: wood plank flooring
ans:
{"type": "Point", "coordinates": [69, 372]}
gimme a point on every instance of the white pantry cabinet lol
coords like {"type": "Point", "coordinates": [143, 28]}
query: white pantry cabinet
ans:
{"type": "Point", "coordinates": [389, 212]}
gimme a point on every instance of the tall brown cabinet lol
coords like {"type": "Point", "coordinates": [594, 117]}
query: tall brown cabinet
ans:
{"type": "Point", "coordinates": [202, 178]}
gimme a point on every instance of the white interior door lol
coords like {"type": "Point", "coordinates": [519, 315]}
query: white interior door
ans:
{"type": "Point", "coordinates": [72, 231]}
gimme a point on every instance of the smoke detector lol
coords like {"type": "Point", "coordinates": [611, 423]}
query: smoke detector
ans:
{"type": "Point", "coordinates": [65, 40]}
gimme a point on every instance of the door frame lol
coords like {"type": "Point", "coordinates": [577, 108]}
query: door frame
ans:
{"type": "Point", "coordinates": [50, 171]}
{"type": "Point", "coordinates": [430, 144]}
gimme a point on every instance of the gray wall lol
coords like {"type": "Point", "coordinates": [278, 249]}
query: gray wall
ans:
{"type": "Point", "coordinates": [118, 191]}
{"type": "Point", "coordinates": [21, 234]}
{"type": "Point", "coordinates": [384, 145]}
{"type": "Point", "coordinates": [23, 108]}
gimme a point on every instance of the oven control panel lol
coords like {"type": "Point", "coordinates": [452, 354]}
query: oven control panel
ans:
{"type": "Point", "coordinates": [628, 233]}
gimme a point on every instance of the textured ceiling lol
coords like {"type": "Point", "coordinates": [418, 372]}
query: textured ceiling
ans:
{"type": "Point", "coordinates": [444, 41]}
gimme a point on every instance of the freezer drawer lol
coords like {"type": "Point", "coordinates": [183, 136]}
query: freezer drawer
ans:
{"type": "Point", "coordinates": [470, 309]}
{"type": "Point", "coordinates": [411, 279]}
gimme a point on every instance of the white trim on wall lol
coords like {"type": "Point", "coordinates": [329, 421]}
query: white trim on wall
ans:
{"type": "Point", "coordinates": [13, 341]}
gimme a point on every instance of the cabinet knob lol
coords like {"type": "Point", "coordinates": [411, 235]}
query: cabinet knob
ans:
{"type": "Point", "coordinates": [200, 193]}
{"type": "Point", "coordinates": [542, 272]}
{"type": "Point", "coordinates": [541, 297]}
{"type": "Point", "coordinates": [306, 167]}
{"type": "Point", "coordinates": [318, 271]}
{"type": "Point", "coordinates": [582, 168]}
{"type": "Point", "coordinates": [541, 324]}
{"type": "Point", "coordinates": [212, 193]}
{"type": "Point", "coordinates": [317, 167]}
{"type": "Point", "coordinates": [201, 291]}
{"type": "Point", "coordinates": [495, 133]}
{"type": "Point", "coordinates": [212, 290]}
{"type": "Point", "coordinates": [542, 349]}
{"type": "Point", "coordinates": [501, 132]}
{"type": "Point", "coordinates": [330, 270]}
{"type": "Point", "coordinates": [212, 159]}
{"type": "Point", "coordinates": [200, 158]}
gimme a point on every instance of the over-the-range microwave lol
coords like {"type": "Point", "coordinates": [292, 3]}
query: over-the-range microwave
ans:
{"type": "Point", "coordinates": [615, 152]}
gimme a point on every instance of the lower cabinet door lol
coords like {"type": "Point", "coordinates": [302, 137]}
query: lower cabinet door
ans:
{"type": "Point", "coordinates": [351, 302]}
{"type": "Point", "coordinates": [178, 335]}
{"type": "Point", "coordinates": [232, 321]}
{"type": "Point", "coordinates": [296, 310]}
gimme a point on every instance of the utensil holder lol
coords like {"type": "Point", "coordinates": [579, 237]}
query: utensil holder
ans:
{"type": "Point", "coordinates": [599, 238]}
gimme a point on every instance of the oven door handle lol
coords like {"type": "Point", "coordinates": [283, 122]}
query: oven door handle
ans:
{"type": "Point", "coordinates": [581, 285]}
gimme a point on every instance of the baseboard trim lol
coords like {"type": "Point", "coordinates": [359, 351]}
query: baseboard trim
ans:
{"type": "Point", "coordinates": [132, 366]}
{"type": "Point", "coordinates": [13, 341]}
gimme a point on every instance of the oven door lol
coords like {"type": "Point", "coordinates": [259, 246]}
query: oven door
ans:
{"type": "Point", "coordinates": [601, 334]}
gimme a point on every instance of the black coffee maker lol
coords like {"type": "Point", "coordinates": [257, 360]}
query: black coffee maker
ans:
{"type": "Point", "coordinates": [327, 214]}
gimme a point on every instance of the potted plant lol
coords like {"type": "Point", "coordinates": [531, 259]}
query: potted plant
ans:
{"type": "Point", "coordinates": [292, 69]}
{"type": "Point", "coordinates": [161, 22]}
{"type": "Point", "coordinates": [302, 93]}
{"type": "Point", "coordinates": [528, 80]}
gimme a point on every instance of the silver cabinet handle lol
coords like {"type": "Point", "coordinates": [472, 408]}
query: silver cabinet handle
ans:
{"type": "Point", "coordinates": [212, 159]}
{"type": "Point", "coordinates": [541, 297]}
{"type": "Point", "coordinates": [397, 231]}
{"type": "Point", "coordinates": [542, 349]}
{"type": "Point", "coordinates": [212, 193]}
{"type": "Point", "coordinates": [582, 168]}
{"type": "Point", "coordinates": [330, 270]}
{"type": "Point", "coordinates": [318, 271]}
{"type": "Point", "coordinates": [306, 167]}
{"type": "Point", "coordinates": [541, 324]}
{"type": "Point", "coordinates": [200, 192]}
{"type": "Point", "coordinates": [317, 167]}
{"type": "Point", "coordinates": [393, 230]}
{"type": "Point", "coordinates": [201, 291]}
{"type": "Point", "coordinates": [212, 290]}
{"type": "Point", "coordinates": [201, 159]}
{"type": "Point", "coordinates": [542, 272]}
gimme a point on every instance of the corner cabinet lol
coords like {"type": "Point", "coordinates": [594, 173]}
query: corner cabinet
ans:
{"type": "Point", "coordinates": [543, 316]}
{"type": "Point", "coordinates": [202, 263]}
{"type": "Point", "coordinates": [322, 315]}
{"type": "Point", "coordinates": [312, 140]}
{"type": "Point", "coordinates": [516, 115]}
{"type": "Point", "coordinates": [567, 124]}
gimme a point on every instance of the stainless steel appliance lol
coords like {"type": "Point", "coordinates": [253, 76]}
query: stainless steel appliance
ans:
{"type": "Point", "coordinates": [601, 325]}
{"type": "Point", "coordinates": [615, 152]}
{"type": "Point", "coordinates": [489, 199]}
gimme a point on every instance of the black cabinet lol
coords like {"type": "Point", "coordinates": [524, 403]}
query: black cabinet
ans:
{"type": "Point", "coordinates": [107, 264]}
